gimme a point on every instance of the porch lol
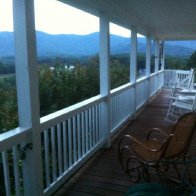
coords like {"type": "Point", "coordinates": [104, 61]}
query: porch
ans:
{"type": "Point", "coordinates": [103, 174]}
{"type": "Point", "coordinates": [41, 154]}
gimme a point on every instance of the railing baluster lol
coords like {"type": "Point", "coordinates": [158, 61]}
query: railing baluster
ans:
{"type": "Point", "coordinates": [119, 114]}
{"type": "Point", "coordinates": [79, 135]}
{"type": "Point", "coordinates": [127, 103]}
{"type": "Point", "coordinates": [93, 126]}
{"type": "Point", "coordinates": [6, 173]}
{"type": "Point", "coordinates": [87, 130]}
{"type": "Point", "coordinates": [100, 132]}
{"type": "Point", "coordinates": [54, 166]}
{"type": "Point", "coordinates": [16, 170]}
{"type": "Point", "coordinates": [74, 139]}
{"type": "Point", "coordinates": [70, 142]}
{"type": "Point", "coordinates": [83, 135]}
{"type": "Point", "coordinates": [112, 113]}
{"type": "Point", "coordinates": [90, 127]}
{"type": "Point", "coordinates": [60, 169]}
{"type": "Point", "coordinates": [116, 109]}
{"type": "Point", "coordinates": [122, 106]}
{"type": "Point", "coordinates": [46, 150]}
{"type": "Point", "coordinates": [65, 146]}
{"type": "Point", "coordinates": [123, 103]}
{"type": "Point", "coordinates": [96, 124]}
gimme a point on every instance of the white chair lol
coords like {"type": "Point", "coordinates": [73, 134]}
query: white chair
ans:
{"type": "Point", "coordinates": [185, 81]}
{"type": "Point", "coordinates": [182, 97]}
{"type": "Point", "coordinates": [180, 104]}
{"type": "Point", "coordinates": [184, 84]}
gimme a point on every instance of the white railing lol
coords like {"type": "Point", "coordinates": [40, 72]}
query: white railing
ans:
{"type": "Point", "coordinates": [142, 92]}
{"type": "Point", "coordinates": [172, 77]}
{"type": "Point", "coordinates": [121, 105]}
{"type": "Point", "coordinates": [70, 136]}
{"type": "Point", "coordinates": [13, 148]}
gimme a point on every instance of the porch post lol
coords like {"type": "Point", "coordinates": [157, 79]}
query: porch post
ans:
{"type": "Point", "coordinates": [105, 77]}
{"type": "Point", "coordinates": [163, 56]}
{"type": "Point", "coordinates": [27, 92]}
{"type": "Point", "coordinates": [148, 55]}
{"type": "Point", "coordinates": [157, 63]}
{"type": "Point", "coordinates": [156, 56]}
{"type": "Point", "coordinates": [133, 67]}
{"type": "Point", "coordinates": [148, 65]}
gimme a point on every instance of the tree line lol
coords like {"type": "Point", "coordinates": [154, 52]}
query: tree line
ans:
{"type": "Point", "coordinates": [60, 87]}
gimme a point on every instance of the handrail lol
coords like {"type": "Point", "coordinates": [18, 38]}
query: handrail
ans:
{"type": "Point", "coordinates": [14, 137]}
{"type": "Point", "coordinates": [57, 117]}
{"type": "Point", "coordinates": [121, 89]}
{"type": "Point", "coordinates": [174, 76]}
{"type": "Point", "coordinates": [124, 87]}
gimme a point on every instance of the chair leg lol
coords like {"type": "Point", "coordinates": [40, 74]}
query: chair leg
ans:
{"type": "Point", "coordinates": [169, 109]}
{"type": "Point", "coordinates": [146, 173]}
{"type": "Point", "coordinates": [158, 173]}
{"type": "Point", "coordinates": [177, 171]}
{"type": "Point", "coordinates": [134, 168]}
{"type": "Point", "coordinates": [187, 171]}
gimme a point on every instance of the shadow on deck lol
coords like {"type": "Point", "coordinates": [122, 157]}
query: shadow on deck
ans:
{"type": "Point", "coordinates": [103, 175]}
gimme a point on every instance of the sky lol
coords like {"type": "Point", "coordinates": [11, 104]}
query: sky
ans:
{"type": "Point", "coordinates": [54, 17]}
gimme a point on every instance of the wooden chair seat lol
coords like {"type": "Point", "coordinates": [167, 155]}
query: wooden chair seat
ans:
{"type": "Point", "coordinates": [144, 153]}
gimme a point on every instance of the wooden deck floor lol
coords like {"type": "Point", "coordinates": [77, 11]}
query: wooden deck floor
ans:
{"type": "Point", "coordinates": [103, 174]}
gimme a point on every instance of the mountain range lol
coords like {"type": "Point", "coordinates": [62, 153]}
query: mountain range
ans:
{"type": "Point", "coordinates": [85, 45]}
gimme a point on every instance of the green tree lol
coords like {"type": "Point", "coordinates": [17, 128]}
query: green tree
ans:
{"type": "Point", "coordinates": [172, 62]}
{"type": "Point", "coordinates": [192, 61]}
{"type": "Point", "coordinates": [6, 68]}
{"type": "Point", "coordinates": [61, 87]}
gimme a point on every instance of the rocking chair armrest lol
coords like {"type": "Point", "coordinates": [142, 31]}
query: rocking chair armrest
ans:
{"type": "Point", "coordinates": [129, 137]}
{"type": "Point", "coordinates": [156, 130]}
{"type": "Point", "coordinates": [174, 136]}
{"type": "Point", "coordinates": [182, 98]}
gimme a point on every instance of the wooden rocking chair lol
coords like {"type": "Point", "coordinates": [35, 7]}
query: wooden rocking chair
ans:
{"type": "Point", "coordinates": [137, 157]}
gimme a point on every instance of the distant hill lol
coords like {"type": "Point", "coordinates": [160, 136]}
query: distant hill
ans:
{"type": "Point", "coordinates": [79, 45]}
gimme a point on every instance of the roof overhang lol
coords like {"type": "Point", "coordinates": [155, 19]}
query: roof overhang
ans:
{"type": "Point", "coordinates": [163, 19]}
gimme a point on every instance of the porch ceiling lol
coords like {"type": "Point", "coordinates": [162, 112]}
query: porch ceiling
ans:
{"type": "Point", "coordinates": [163, 19]}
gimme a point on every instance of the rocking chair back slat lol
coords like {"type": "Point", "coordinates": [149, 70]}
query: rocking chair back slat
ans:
{"type": "Point", "coordinates": [181, 136]}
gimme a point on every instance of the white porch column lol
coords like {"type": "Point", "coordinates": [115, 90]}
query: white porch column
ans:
{"type": "Point", "coordinates": [148, 56]}
{"type": "Point", "coordinates": [163, 56]}
{"type": "Point", "coordinates": [157, 64]}
{"type": "Point", "coordinates": [27, 92]}
{"type": "Point", "coordinates": [156, 56]}
{"type": "Point", "coordinates": [133, 67]}
{"type": "Point", "coordinates": [133, 62]}
{"type": "Point", "coordinates": [148, 65]}
{"type": "Point", "coordinates": [105, 76]}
